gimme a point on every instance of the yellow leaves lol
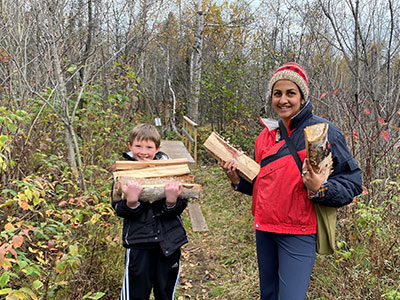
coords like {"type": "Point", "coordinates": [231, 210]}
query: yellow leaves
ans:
{"type": "Point", "coordinates": [26, 291]}
{"type": "Point", "coordinates": [31, 250]}
{"type": "Point", "coordinates": [5, 263]}
{"type": "Point", "coordinates": [72, 68]}
{"type": "Point", "coordinates": [9, 226]}
{"type": "Point", "coordinates": [16, 295]}
{"type": "Point", "coordinates": [28, 194]}
{"type": "Point", "coordinates": [23, 200]}
{"type": "Point", "coordinates": [394, 127]}
{"type": "Point", "coordinates": [187, 285]}
{"type": "Point", "coordinates": [23, 204]}
{"type": "Point", "coordinates": [73, 250]}
{"type": "Point", "coordinates": [95, 218]}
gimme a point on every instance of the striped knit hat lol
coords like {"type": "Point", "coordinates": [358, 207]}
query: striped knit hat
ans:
{"type": "Point", "coordinates": [293, 72]}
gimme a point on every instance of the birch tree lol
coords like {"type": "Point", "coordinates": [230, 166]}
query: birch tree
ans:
{"type": "Point", "coordinates": [195, 64]}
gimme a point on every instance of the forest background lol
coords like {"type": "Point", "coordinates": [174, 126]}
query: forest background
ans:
{"type": "Point", "coordinates": [76, 75]}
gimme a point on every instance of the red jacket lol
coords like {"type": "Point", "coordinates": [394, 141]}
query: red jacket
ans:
{"type": "Point", "coordinates": [280, 202]}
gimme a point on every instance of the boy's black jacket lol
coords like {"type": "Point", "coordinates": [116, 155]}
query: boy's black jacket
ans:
{"type": "Point", "coordinates": [150, 225]}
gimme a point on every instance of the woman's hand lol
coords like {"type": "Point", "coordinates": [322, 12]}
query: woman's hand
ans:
{"type": "Point", "coordinates": [229, 168]}
{"type": "Point", "coordinates": [173, 190]}
{"type": "Point", "coordinates": [132, 190]}
{"type": "Point", "coordinates": [312, 180]}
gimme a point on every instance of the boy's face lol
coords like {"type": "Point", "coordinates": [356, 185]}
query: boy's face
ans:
{"type": "Point", "coordinates": [143, 149]}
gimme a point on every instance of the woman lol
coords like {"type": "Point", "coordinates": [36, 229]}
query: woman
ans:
{"type": "Point", "coordinates": [284, 215]}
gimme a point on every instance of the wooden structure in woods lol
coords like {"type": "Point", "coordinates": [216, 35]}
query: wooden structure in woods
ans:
{"type": "Point", "coordinates": [187, 147]}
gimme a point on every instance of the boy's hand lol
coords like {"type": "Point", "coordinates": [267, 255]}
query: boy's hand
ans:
{"type": "Point", "coordinates": [132, 190]}
{"type": "Point", "coordinates": [311, 179]}
{"type": "Point", "coordinates": [172, 191]}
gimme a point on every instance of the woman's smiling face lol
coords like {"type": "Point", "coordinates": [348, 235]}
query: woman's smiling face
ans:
{"type": "Point", "coordinates": [286, 99]}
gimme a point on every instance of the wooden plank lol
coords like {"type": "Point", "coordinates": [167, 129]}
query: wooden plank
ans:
{"type": "Point", "coordinates": [194, 124]}
{"type": "Point", "coordinates": [131, 165]}
{"type": "Point", "coordinates": [177, 150]}
{"type": "Point", "coordinates": [187, 135]}
{"type": "Point", "coordinates": [196, 218]}
{"type": "Point", "coordinates": [160, 171]}
{"type": "Point", "coordinates": [221, 150]}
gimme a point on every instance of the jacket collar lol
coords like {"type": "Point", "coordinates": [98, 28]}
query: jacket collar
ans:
{"type": "Point", "coordinates": [304, 114]}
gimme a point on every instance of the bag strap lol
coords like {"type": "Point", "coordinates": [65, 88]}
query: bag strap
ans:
{"type": "Point", "coordinates": [290, 145]}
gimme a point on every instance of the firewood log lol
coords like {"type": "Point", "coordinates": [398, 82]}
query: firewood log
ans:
{"type": "Point", "coordinates": [153, 175]}
{"type": "Point", "coordinates": [154, 188]}
{"type": "Point", "coordinates": [317, 148]}
{"type": "Point", "coordinates": [156, 171]}
{"type": "Point", "coordinates": [220, 149]}
{"type": "Point", "coordinates": [133, 165]}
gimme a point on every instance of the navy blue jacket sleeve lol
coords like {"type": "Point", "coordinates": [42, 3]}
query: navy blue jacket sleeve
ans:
{"type": "Point", "coordinates": [244, 187]}
{"type": "Point", "coordinates": [176, 210]}
{"type": "Point", "coordinates": [124, 211]}
{"type": "Point", "coordinates": [346, 181]}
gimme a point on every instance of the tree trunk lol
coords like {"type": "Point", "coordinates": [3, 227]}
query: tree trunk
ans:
{"type": "Point", "coordinates": [195, 65]}
{"type": "Point", "coordinates": [71, 142]}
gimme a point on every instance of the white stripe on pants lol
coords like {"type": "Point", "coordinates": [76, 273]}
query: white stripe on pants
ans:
{"type": "Point", "coordinates": [125, 285]}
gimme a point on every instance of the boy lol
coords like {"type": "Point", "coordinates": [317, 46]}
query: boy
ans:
{"type": "Point", "coordinates": [152, 233]}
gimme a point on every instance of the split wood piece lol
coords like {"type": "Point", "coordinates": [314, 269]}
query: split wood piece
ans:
{"type": "Point", "coordinates": [223, 151]}
{"type": "Point", "coordinates": [317, 148]}
{"type": "Point", "coordinates": [159, 171]}
{"type": "Point", "coordinates": [133, 165]}
{"type": "Point", "coordinates": [196, 218]}
{"type": "Point", "coordinates": [154, 188]}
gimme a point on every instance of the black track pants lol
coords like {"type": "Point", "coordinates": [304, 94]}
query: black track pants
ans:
{"type": "Point", "coordinates": [150, 268]}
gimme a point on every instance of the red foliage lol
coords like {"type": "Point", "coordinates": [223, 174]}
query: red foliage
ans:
{"type": "Point", "coordinates": [385, 135]}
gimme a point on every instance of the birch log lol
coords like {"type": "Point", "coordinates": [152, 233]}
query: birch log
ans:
{"type": "Point", "coordinates": [154, 188]}
{"type": "Point", "coordinates": [317, 148]}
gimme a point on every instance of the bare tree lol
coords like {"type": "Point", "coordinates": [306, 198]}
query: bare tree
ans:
{"type": "Point", "coordinates": [195, 64]}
